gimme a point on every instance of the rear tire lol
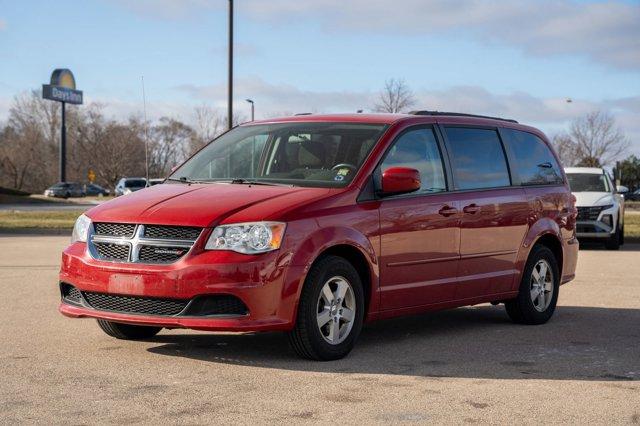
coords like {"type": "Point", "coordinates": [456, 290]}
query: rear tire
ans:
{"type": "Point", "coordinates": [333, 290]}
{"type": "Point", "coordinates": [127, 331]}
{"type": "Point", "coordinates": [527, 309]}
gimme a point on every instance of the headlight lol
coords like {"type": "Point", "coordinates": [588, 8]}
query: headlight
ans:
{"type": "Point", "coordinates": [81, 229]}
{"type": "Point", "coordinates": [248, 238]}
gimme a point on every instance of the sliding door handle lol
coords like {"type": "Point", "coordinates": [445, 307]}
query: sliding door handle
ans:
{"type": "Point", "coordinates": [471, 209]}
{"type": "Point", "coordinates": [447, 211]}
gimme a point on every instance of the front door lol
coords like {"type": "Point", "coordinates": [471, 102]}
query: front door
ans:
{"type": "Point", "coordinates": [419, 232]}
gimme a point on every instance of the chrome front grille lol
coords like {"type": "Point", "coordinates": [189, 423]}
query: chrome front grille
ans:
{"type": "Point", "coordinates": [158, 244]}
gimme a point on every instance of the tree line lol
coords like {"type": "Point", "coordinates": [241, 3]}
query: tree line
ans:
{"type": "Point", "coordinates": [29, 141]}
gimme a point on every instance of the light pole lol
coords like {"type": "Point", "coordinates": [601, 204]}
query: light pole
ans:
{"type": "Point", "coordinates": [230, 83]}
{"type": "Point", "coordinates": [252, 108]}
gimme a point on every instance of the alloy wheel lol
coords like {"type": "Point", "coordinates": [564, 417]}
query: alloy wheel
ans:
{"type": "Point", "coordinates": [541, 285]}
{"type": "Point", "coordinates": [336, 310]}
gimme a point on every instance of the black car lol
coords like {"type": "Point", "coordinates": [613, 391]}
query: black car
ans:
{"type": "Point", "coordinates": [94, 190]}
{"type": "Point", "coordinates": [632, 196]}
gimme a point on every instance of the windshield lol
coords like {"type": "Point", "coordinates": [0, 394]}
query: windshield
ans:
{"type": "Point", "coordinates": [135, 183]}
{"type": "Point", "coordinates": [305, 154]}
{"type": "Point", "coordinates": [588, 182]}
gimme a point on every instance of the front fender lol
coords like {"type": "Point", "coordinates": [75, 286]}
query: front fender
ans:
{"type": "Point", "coordinates": [318, 241]}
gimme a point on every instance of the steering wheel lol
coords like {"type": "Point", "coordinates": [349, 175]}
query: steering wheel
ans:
{"type": "Point", "coordinates": [343, 165]}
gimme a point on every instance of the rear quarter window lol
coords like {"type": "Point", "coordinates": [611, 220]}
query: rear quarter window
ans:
{"type": "Point", "coordinates": [534, 163]}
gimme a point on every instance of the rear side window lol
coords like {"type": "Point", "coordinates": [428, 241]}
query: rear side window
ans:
{"type": "Point", "coordinates": [477, 158]}
{"type": "Point", "coordinates": [534, 162]}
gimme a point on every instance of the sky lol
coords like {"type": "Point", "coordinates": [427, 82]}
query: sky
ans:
{"type": "Point", "coordinates": [517, 59]}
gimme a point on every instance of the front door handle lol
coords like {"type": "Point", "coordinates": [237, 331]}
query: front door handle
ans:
{"type": "Point", "coordinates": [471, 209]}
{"type": "Point", "coordinates": [447, 211]}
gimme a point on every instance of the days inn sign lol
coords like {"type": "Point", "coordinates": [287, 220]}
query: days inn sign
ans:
{"type": "Point", "coordinates": [62, 87]}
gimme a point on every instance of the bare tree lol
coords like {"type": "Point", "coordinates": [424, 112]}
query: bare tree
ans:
{"type": "Point", "coordinates": [596, 138]}
{"type": "Point", "coordinates": [566, 149]}
{"type": "Point", "coordinates": [395, 97]}
{"type": "Point", "coordinates": [169, 145]}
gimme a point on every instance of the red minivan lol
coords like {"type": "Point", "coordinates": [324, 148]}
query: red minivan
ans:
{"type": "Point", "coordinates": [316, 224]}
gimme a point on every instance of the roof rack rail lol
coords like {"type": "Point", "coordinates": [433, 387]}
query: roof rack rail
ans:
{"type": "Point", "coordinates": [459, 114]}
{"type": "Point", "coordinates": [303, 113]}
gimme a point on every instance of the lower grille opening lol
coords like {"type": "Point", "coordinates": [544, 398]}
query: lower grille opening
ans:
{"type": "Point", "coordinates": [135, 304]}
{"type": "Point", "coordinates": [223, 304]}
{"type": "Point", "coordinates": [70, 294]}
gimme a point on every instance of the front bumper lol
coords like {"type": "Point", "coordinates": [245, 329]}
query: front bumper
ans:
{"type": "Point", "coordinates": [589, 229]}
{"type": "Point", "coordinates": [261, 282]}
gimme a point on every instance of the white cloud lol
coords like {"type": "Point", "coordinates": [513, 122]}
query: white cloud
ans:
{"type": "Point", "coordinates": [606, 32]}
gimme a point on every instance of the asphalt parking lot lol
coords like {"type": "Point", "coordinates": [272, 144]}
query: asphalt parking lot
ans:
{"type": "Point", "coordinates": [463, 365]}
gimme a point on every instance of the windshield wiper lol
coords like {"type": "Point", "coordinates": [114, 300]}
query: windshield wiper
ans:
{"type": "Point", "coordinates": [242, 181]}
{"type": "Point", "coordinates": [182, 179]}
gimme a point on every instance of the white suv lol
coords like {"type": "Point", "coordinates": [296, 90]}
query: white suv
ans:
{"type": "Point", "coordinates": [600, 207]}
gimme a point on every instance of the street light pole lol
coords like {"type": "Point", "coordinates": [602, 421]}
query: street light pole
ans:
{"type": "Point", "coordinates": [230, 88]}
{"type": "Point", "coordinates": [252, 108]}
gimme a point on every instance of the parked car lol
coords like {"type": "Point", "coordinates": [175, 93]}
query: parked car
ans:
{"type": "Point", "coordinates": [316, 224]}
{"type": "Point", "coordinates": [155, 181]}
{"type": "Point", "coordinates": [95, 190]}
{"type": "Point", "coordinates": [600, 207]}
{"type": "Point", "coordinates": [128, 185]}
{"type": "Point", "coordinates": [65, 190]}
{"type": "Point", "coordinates": [632, 196]}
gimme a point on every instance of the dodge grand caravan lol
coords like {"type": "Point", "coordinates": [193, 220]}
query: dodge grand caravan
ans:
{"type": "Point", "coordinates": [316, 224]}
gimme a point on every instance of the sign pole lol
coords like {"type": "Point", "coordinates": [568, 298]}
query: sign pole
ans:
{"type": "Point", "coordinates": [62, 88]}
{"type": "Point", "coordinates": [63, 146]}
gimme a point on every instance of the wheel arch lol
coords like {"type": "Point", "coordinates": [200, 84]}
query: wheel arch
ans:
{"type": "Point", "coordinates": [552, 242]}
{"type": "Point", "coordinates": [349, 244]}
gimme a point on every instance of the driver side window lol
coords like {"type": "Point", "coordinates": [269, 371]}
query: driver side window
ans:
{"type": "Point", "coordinates": [418, 149]}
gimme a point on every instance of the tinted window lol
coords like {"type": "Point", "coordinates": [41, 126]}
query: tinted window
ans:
{"type": "Point", "coordinates": [534, 162]}
{"type": "Point", "coordinates": [419, 150]}
{"type": "Point", "coordinates": [477, 158]}
{"type": "Point", "coordinates": [135, 183]}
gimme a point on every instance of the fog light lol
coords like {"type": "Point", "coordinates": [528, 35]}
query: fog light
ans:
{"type": "Point", "coordinates": [607, 219]}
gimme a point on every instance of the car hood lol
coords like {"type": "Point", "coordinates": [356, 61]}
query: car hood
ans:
{"type": "Point", "coordinates": [202, 204]}
{"type": "Point", "coordinates": [587, 199]}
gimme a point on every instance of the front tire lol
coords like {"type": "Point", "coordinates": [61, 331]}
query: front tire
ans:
{"type": "Point", "coordinates": [330, 311]}
{"type": "Point", "coordinates": [538, 294]}
{"type": "Point", "coordinates": [127, 331]}
{"type": "Point", "coordinates": [615, 241]}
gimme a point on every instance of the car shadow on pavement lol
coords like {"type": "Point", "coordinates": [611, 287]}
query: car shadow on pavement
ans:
{"type": "Point", "coordinates": [579, 343]}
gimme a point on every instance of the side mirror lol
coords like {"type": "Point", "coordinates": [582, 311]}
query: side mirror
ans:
{"type": "Point", "coordinates": [400, 180]}
{"type": "Point", "coordinates": [622, 189]}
